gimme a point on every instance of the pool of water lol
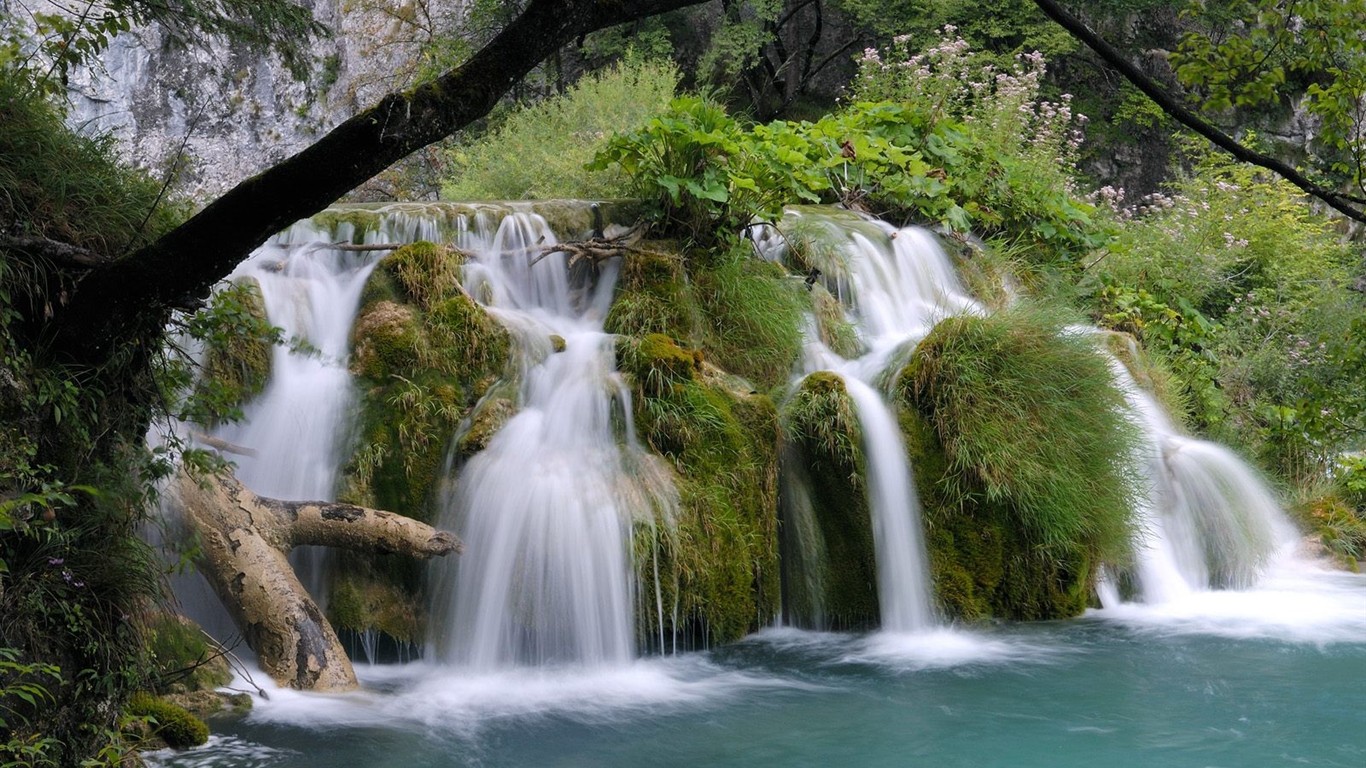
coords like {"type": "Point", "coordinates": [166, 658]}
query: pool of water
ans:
{"type": "Point", "coordinates": [1274, 676]}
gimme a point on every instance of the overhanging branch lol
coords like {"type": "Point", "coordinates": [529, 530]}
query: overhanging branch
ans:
{"type": "Point", "coordinates": [195, 255]}
{"type": "Point", "coordinates": [1164, 100]}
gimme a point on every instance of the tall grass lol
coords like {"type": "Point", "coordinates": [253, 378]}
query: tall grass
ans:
{"type": "Point", "coordinates": [754, 313]}
{"type": "Point", "coordinates": [1028, 415]}
{"type": "Point", "coordinates": [541, 150]}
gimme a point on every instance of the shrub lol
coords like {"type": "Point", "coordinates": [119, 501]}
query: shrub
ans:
{"type": "Point", "coordinates": [541, 150]}
{"type": "Point", "coordinates": [168, 722]}
{"type": "Point", "coordinates": [1029, 416]}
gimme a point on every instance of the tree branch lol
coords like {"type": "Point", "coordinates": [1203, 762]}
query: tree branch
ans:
{"type": "Point", "coordinates": [1181, 114]}
{"type": "Point", "coordinates": [58, 253]}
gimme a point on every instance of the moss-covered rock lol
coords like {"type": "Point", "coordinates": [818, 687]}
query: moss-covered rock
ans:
{"type": "Point", "coordinates": [835, 330]}
{"type": "Point", "coordinates": [426, 272]}
{"type": "Point", "coordinates": [753, 313]}
{"type": "Point", "coordinates": [424, 354]}
{"type": "Point", "coordinates": [717, 559]}
{"type": "Point", "coordinates": [183, 658]}
{"type": "Point", "coordinates": [1023, 460]}
{"type": "Point", "coordinates": [166, 722]}
{"type": "Point", "coordinates": [422, 366]}
{"type": "Point", "coordinates": [377, 593]}
{"type": "Point", "coordinates": [654, 296]}
{"type": "Point", "coordinates": [829, 561]}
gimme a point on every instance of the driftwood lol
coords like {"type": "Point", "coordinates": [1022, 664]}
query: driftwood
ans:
{"type": "Point", "coordinates": [244, 541]}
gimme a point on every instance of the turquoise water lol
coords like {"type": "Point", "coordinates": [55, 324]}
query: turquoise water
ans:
{"type": "Point", "coordinates": [1270, 677]}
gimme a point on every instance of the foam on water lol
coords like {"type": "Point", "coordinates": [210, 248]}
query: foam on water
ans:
{"type": "Point", "coordinates": [438, 699]}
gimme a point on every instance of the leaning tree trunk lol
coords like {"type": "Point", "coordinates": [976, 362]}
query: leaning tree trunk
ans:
{"type": "Point", "coordinates": [245, 539]}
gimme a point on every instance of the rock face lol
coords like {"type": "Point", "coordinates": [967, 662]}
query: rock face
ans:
{"type": "Point", "coordinates": [238, 111]}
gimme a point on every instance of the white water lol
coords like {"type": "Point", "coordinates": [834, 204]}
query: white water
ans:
{"type": "Point", "coordinates": [297, 428]}
{"type": "Point", "coordinates": [545, 509]}
{"type": "Point", "coordinates": [1206, 520]}
{"type": "Point", "coordinates": [900, 283]}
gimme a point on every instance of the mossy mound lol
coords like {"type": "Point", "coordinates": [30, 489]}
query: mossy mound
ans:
{"type": "Point", "coordinates": [829, 561]}
{"type": "Point", "coordinates": [835, 330]}
{"type": "Point", "coordinates": [717, 559]}
{"type": "Point", "coordinates": [377, 593]}
{"type": "Point", "coordinates": [183, 659]}
{"type": "Point", "coordinates": [167, 722]}
{"type": "Point", "coordinates": [1023, 459]}
{"type": "Point", "coordinates": [424, 354]}
{"type": "Point", "coordinates": [654, 296]}
{"type": "Point", "coordinates": [753, 314]}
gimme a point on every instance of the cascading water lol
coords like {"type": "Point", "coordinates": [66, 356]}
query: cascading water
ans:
{"type": "Point", "coordinates": [1207, 520]}
{"type": "Point", "coordinates": [545, 509]}
{"type": "Point", "coordinates": [901, 283]}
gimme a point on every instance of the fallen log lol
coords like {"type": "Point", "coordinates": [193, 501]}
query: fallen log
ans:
{"type": "Point", "coordinates": [244, 543]}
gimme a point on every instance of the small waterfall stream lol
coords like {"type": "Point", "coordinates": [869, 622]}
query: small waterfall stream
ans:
{"type": "Point", "coordinates": [900, 284]}
{"type": "Point", "coordinates": [297, 428]}
{"type": "Point", "coordinates": [1207, 520]}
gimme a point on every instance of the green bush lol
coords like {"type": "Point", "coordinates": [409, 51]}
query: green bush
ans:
{"type": "Point", "coordinates": [541, 150]}
{"type": "Point", "coordinates": [1246, 294]}
{"type": "Point", "coordinates": [168, 722]}
{"type": "Point", "coordinates": [1030, 413]}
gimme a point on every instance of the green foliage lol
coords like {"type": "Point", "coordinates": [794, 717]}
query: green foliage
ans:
{"type": "Point", "coordinates": [169, 722]}
{"type": "Point", "coordinates": [238, 344]}
{"type": "Point", "coordinates": [1254, 53]}
{"type": "Point", "coordinates": [1245, 294]}
{"type": "Point", "coordinates": [939, 138]}
{"type": "Point", "coordinates": [1014, 149]}
{"type": "Point", "coordinates": [1029, 419]}
{"type": "Point", "coordinates": [706, 175]}
{"type": "Point", "coordinates": [70, 188]}
{"type": "Point", "coordinates": [753, 314]}
{"type": "Point", "coordinates": [540, 151]}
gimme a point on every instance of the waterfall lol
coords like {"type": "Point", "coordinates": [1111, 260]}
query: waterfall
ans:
{"type": "Point", "coordinates": [297, 428]}
{"type": "Point", "coordinates": [545, 509]}
{"type": "Point", "coordinates": [1206, 520]}
{"type": "Point", "coordinates": [899, 284]}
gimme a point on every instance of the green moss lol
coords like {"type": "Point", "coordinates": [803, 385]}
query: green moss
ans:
{"type": "Point", "coordinates": [717, 559]}
{"type": "Point", "coordinates": [389, 340]}
{"type": "Point", "coordinates": [830, 566]}
{"type": "Point", "coordinates": [168, 722]}
{"type": "Point", "coordinates": [654, 296]}
{"type": "Point", "coordinates": [1023, 461]}
{"type": "Point", "coordinates": [359, 220]}
{"type": "Point", "coordinates": [488, 417]}
{"type": "Point", "coordinates": [425, 272]}
{"type": "Point", "coordinates": [835, 330]}
{"type": "Point", "coordinates": [420, 372]}
{"type": "Point", "coordinates": [378, 594]}
{"type": "Point", "coordinates": [182, 657]}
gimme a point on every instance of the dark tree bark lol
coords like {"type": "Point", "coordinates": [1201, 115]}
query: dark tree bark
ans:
{"type": "Point", "coordinates": [1347, 205]}
{"type": "Point", "coordinates": [117, 301]}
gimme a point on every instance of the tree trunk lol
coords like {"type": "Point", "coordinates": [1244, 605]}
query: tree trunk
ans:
{"type": "Point", "coordinates": [245, 539]}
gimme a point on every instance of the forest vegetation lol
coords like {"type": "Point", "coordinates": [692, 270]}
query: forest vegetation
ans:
{"type": "Point", "coordinates": [1241, 285]}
